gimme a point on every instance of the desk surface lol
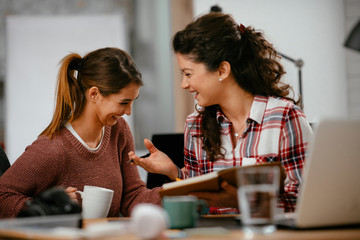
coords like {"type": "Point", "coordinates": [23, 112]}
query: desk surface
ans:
{"type": "Point", "coordinates": [205, 231]}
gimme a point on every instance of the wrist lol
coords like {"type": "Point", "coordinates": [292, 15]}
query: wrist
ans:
{"type": "Point", "coordinates": [174, 173]}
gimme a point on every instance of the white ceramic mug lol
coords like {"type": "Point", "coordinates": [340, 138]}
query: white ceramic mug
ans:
{"type": "Point", "coordinates": [96, 201]}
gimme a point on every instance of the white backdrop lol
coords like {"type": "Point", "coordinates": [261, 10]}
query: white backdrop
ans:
{"type": "Point", "coordinates": [35, 46]}
{"type": "Point", "coordinates": [306, 29]}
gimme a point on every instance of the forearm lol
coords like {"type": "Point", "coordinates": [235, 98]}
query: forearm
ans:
{"type": "Point", "coordinates": [287, 201]}
{"type": "Point", "coordinates": [11, 203]}
{"type": "Point", "coordinates": [296, 136]}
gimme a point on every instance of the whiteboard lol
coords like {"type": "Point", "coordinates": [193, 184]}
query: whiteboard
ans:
{"type": "Point", "coordinates": [35, 46]}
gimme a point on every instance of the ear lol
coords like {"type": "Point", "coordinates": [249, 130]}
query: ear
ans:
{"type": "Point", "coordinates": [224, 69]}
{"type": "Point", "coordinates": [93, 94]}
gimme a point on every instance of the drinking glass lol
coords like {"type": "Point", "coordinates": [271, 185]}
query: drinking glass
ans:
{"type": "Point", "coordinates": [257, 196]}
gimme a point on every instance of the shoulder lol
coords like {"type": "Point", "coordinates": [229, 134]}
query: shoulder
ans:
{"type": "Point", "coordinates": [292, 116]}
{"type": "Point", "coordinates": [276, 102]}
{"type": "Point", "coordinates": [50, 146]}
{"type": "Point", "coordinates": [43, 150]}
{"type": "Point", "coordinates": [285, 107]}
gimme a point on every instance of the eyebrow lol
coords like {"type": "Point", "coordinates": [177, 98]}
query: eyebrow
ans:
{"type": "Point", "coordinates": [183, 69]}
{"type": "Point", "coordinates": [129, 100]}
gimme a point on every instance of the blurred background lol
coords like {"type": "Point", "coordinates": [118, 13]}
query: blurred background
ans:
{"type": "Point", "coordinates": [36, 34]}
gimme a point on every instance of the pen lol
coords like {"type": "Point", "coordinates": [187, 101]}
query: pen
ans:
{"type": "Point", "coordinates": [144, 156]}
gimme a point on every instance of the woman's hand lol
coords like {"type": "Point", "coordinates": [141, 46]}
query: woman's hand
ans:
{"type": "Point", "coordinates": [71, 193]}
{"type": "Point", "coordinates": [157, 162]}
{"type": "Point", "coordinates": [225, 198]}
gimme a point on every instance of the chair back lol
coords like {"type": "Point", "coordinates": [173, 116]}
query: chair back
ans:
{"type": "Point", "coordinates": [4, 162]}
{"type": "Point", "coordinates": [172, 144]}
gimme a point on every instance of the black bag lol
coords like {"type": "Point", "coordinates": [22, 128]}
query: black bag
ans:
{"type": "Point", "coordinates": [54, 201]}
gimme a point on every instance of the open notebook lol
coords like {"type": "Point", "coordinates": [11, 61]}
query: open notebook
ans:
{"type": "Point", "coordinates": [330, 191]}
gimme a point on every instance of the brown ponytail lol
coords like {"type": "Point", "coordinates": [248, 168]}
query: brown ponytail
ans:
{"type": "Point", "coordinates": [68, 93]}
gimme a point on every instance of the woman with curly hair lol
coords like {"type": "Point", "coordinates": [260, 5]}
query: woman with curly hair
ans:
{"type": "Point", "coordinates": [245, 113]}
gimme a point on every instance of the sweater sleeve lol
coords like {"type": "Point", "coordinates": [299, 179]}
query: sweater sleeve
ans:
{"type": "Point", "coordinates": [134, 189]}
{"type": "Point", "coordinates": [33, 172]}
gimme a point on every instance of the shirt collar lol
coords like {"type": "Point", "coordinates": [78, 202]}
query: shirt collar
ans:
{"type": "Point", "coordinates": [257, 110]}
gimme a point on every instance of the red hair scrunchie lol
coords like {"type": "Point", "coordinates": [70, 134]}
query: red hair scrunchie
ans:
{"type": "Point", "coordinates": [241, 28]}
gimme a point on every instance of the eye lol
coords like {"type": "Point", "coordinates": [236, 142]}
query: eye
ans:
{"type": "Point", "coordinates": [124, 103]}
{"type": "Point", "coordinates": [186, 74]}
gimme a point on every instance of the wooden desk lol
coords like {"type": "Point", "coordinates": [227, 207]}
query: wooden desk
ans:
{"type": "Point", "coordinates": [351, 234]}
{"type": "Point", "coordinates": [229, 233]}
{"type": "Point", "coordinates": [235, 233]}
{"type": "Point", "coordinates": [287, 235]}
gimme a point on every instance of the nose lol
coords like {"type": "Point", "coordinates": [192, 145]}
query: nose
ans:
{"type": "Point", "coordinates": [128, 109]}
{"type": "Point", "coordinates": [184, 83]}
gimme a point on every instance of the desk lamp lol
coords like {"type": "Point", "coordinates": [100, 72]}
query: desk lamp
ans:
{"type": "Point", "coordinates": [353, 40]}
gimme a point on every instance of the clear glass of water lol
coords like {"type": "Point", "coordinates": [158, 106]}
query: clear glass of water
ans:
{"type": "Point", "coordinates": [257, 196]}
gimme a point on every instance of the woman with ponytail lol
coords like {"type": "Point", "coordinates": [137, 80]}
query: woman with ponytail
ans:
{"type": "Point", "coordinates": [87, 141]}
{"type": "Point", "coordinates": [245, 114]}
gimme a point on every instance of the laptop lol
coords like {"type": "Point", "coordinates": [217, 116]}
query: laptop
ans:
{"type": "Point", "coordinates": [330, 191]}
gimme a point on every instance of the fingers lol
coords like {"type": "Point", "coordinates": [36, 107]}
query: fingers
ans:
{"type": "Point", "coordinates": [207, 196]}
{"type": "Point", "coordinates": [210, 199]}
{"type": "Point", "coordinates": [137, 160]}
{"type": "Point", "coordinates": [150, 146]}
{"type": "Point", "coordinates": [228, 188]}
{"type": "Point", "coordinates": [225, 198]}
{"type": "Point", "coordinates": [133, 158]}
{"type": "Point", "coordinates": [70, 190]}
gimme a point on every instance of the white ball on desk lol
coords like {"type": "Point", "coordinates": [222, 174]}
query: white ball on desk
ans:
{"type": "Point", "coordinates": [148, 221]}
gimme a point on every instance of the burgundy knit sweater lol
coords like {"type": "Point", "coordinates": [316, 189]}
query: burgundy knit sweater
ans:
{"type": "Point", "coordinates": [64, 161]}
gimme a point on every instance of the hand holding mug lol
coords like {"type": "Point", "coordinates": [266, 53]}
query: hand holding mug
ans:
{"type": "Point", "coordinates": [71, 192]}
{"type": "Point", "coordinates": [96, 201]}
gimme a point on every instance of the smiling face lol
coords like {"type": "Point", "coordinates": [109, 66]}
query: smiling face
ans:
{"type": "Point", "coordinates": [199, 81]}
{"type": "Point", "coordinates": [110, 108]}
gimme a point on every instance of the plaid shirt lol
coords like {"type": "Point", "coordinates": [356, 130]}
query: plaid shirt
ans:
{"type": "Point", "coordinates": [276, 130]}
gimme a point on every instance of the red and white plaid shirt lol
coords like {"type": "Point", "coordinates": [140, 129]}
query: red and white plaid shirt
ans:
{"type": "Point", "coordinates": [276, 130]}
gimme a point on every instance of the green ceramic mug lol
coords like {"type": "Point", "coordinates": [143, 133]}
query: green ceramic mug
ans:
{"type": "Point", "coordinates": [183, 211]}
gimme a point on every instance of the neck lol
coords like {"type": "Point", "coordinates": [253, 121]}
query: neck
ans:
{"type": "Point", "coordinates": [88, 129]}
{"type": "Point", "coordinates": [237, 105]}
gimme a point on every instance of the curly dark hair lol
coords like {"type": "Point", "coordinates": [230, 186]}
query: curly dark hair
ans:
{"type": "Point", "coordinates": [216, 37]}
